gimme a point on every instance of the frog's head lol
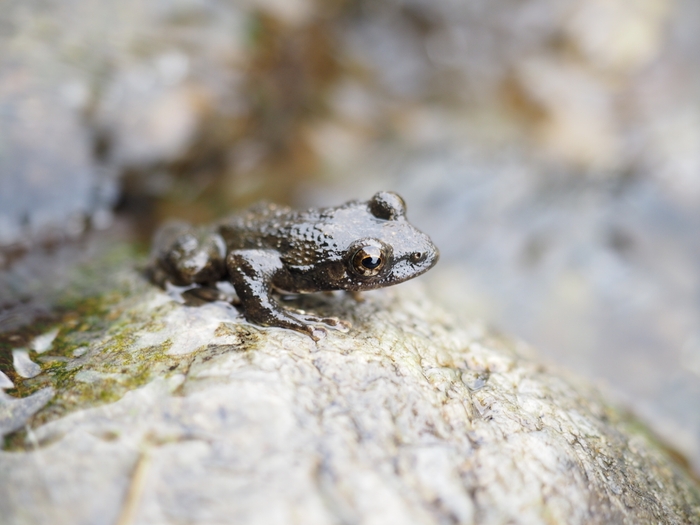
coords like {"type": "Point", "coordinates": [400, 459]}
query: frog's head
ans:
{"type": "Point", "coordinates": [386, 248]}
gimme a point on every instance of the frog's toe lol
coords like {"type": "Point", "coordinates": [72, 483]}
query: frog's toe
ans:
{"type": "Point", "coordinates": [339, 324]}
{"type": "Point", "coordinates": [331, 322]}
{"type": "Point", "coordinates": [201, 294]}
{"type": "Point", "coordinates": [317, 333]}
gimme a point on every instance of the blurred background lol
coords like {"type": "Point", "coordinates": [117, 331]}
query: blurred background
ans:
{"type": "Point", "coordinates": [551, 148]}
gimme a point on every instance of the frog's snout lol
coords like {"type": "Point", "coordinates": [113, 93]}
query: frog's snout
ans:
{"type": "Point", "coordinates": [431, 257]}
{"type": "Point", "coordinates": [425, 258]}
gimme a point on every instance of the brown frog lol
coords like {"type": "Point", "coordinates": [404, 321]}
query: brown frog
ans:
{"type": "Point", "coordinates": [268, 248]}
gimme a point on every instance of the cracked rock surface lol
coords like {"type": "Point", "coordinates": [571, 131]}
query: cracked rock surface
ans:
{"type": "Point", "coordinates": [411, 417]}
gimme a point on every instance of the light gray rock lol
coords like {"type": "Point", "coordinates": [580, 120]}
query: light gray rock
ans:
{"type": "Point", "coordinates": [23, 365]}
{"type": "Point", "coordinates": [14, 413]}
{"type": "Point", "coordinates": [411, 417]}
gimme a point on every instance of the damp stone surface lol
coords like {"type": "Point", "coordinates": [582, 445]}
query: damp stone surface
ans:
{"type": "Point", "coordinates": [157, 412]}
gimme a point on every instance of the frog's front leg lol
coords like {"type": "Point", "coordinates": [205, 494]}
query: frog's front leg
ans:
{"type": "Point", "coordinates": [252, 273]}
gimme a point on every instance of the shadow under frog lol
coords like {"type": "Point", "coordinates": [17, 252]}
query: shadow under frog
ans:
{"type": "Point", "coordinates": [269, 249]}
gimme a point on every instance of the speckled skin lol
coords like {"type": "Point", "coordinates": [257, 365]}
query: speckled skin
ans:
{"type": "Point", "coordinates": [274, 248]}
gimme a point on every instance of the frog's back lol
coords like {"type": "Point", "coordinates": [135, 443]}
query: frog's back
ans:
{"type": "Point", "coordinates": [262, 226]}
{"type": "Point", "coordinates": [301, 238]}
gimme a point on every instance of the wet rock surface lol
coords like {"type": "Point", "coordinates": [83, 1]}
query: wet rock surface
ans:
{"type": "Point", "coordinates": [175, 413]}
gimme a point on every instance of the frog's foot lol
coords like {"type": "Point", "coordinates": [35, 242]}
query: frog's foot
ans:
{"type": "Point", "coordinates": [198, 295]}
{"type": "Point", "coordinates": [284, 319]}
{"type": "Point", "coordinates": [314, 326]}
{"type": "Point", "coordinates": [317, 333]}
{"type": "Point", "coordinates": [300, 324]}
{"type": "Point", "coordinates": [331, 322]}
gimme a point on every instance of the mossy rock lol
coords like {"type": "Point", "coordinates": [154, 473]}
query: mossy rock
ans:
{"type": "Point", "coordinates": [169, 413]}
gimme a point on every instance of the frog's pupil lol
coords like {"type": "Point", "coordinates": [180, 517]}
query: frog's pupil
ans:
{"type": "Point", "coordinates": [371, 262]}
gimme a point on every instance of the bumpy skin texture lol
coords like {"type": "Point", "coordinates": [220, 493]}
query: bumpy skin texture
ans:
{"type": "Point", "coordinates": [354, 247]}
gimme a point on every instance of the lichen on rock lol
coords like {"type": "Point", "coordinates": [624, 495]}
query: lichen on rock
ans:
{"type": "Point", "coordinates": [189, 414]}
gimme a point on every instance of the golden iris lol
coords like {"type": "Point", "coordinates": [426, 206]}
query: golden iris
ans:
{"type": "Point", "coordinates": [368, 261]}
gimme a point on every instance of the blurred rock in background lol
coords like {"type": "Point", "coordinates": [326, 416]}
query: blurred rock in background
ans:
{"type": "Point", "coordinates": [551, 149]}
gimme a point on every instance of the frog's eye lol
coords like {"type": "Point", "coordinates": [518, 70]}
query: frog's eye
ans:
{"type": "Point", "coordinates": [368, 261]}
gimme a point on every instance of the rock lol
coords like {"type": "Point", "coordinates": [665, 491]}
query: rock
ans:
{"type": "Point", "coordinates": [14, 413]}
{"type": "Point", "coordinates": [189, 414]}
{"type": "Point", "coordinates": [89, 92]}
{"type": "Point", "coordinates": [102, 104]}
{"type": "Point", "coordinates": [24, 366]}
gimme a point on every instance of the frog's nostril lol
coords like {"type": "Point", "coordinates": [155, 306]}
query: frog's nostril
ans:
{"type": "Point", "coordinates": [417, 257]}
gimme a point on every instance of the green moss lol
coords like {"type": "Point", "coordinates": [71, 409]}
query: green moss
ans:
{"type": "Point", "coordinates": [108, 325]}
{"type": "Point", "coordinates": [108, 319]}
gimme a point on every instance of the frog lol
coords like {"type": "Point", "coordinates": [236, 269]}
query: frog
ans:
{"type": "Point", "coordinates": [270, 250]}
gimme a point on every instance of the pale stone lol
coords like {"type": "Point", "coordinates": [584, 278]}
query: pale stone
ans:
{"type": "Point", "coordinates": [42, 343]}
{"type": "Point", "coordinates": [24, 366]}
{"type": "Point", "coordinates": [410, 417]}
{"type": "Point", "coordinates": [15, 412]}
